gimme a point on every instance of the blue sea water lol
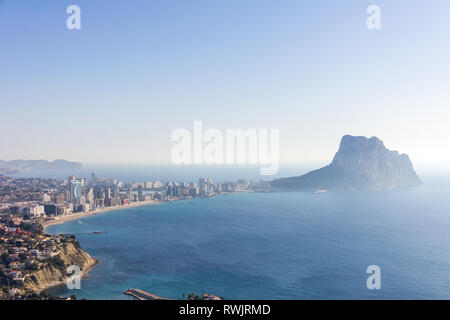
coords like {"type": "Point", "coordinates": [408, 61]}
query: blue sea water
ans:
{"type": "Point", "coordinates": [273, 246]}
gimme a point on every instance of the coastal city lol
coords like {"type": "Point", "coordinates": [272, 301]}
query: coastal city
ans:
{"type": "Point", "coordinates": [32, 261]}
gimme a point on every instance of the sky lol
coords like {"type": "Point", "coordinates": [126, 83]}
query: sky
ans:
{"type": "Point", "coordinates": [115, 90]}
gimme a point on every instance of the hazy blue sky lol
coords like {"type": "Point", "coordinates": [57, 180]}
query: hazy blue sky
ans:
{"type": "Point", "coordinates": [116, 89]}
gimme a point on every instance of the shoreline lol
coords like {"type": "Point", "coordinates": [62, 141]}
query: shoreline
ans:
{"type": "Point", "coordinates": [80, 215]}
{"type": "Point", "coordinates": [84, 274]}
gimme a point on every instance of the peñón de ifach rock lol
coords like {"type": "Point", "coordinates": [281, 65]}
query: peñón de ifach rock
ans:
{"type": "Point", "coordinates": [360, 163]}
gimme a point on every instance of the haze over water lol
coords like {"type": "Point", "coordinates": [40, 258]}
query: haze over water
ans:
{"type": "Point", "coordinates": [274, 246]}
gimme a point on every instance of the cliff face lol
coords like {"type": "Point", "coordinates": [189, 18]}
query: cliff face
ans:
{"type": "Point", "coordinates": [52, 275]}
{"type": "Point", "coordinates": [360, 163]}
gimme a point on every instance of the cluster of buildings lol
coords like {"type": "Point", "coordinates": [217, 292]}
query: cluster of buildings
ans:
{"type": "Point", "coordinates": [97, 193]}
{"type": "Point", "coordinates": [40, 199]}
{"type": "Point", "coordinates": [24, 249]}
{"type": "Point", "coordinates": [26, 190]}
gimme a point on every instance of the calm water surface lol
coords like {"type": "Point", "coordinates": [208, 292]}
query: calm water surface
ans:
{"type": "Point", "coordinates": [273, 246]}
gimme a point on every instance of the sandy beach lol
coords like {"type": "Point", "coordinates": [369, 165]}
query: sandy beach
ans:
{"type": "Point", "coordinates": [80, 215]}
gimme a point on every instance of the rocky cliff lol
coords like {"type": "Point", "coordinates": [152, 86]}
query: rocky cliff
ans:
{"type": "Point", "coordinates": [360, 163]}
{"type": "Point", "coordinates": [53, 275]}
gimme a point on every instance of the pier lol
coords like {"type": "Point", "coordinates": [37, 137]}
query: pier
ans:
{"type": "Point", "coordinates": [142, 295]}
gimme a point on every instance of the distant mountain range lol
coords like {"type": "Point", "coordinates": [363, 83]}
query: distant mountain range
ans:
{"type": "Point", "coordinates": [360, 163]}
{"type": "Point", "coordinates": [18, 166]}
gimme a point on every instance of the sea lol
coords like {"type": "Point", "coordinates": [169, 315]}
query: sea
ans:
{"type": "Point", "coordinates": [292, 245]}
